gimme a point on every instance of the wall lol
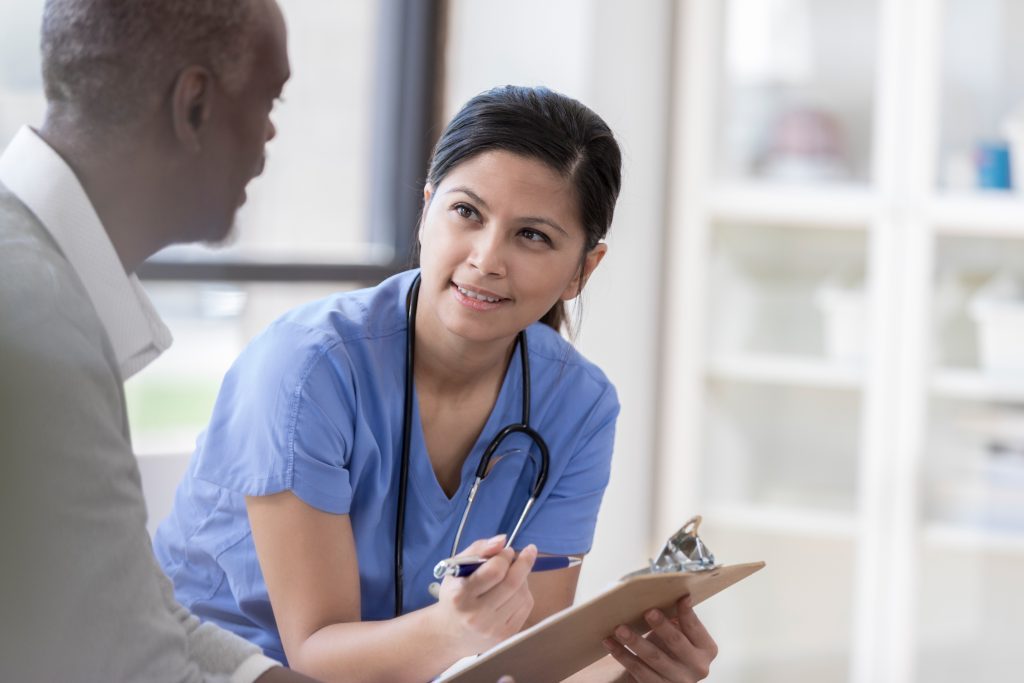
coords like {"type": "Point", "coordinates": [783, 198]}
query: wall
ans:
{"type": "Point", "coordinates": [614, 57]}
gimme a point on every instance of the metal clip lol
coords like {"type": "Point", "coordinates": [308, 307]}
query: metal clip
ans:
{"type": "Point", "coordinates": [683, 552]}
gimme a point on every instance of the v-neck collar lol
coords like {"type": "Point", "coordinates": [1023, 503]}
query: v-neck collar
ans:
{"type": "Point", "coordinates": [507, 410]}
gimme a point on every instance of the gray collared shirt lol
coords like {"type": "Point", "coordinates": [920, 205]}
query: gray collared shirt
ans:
{"type": "Point", "coordinates": [81, 596]}
{"type": "Point", "coordinates": [44, 183]}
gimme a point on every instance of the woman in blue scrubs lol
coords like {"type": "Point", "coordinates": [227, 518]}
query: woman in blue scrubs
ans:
{"type": "Point", "coordinates": [283, 529]}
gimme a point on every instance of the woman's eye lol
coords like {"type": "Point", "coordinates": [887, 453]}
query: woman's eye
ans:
{"type": "Point", "coordinates": [464, 211]}
{"type": "Point", "coordinates": [534, 235]}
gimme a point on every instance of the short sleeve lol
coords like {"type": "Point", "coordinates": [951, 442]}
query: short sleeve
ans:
{"type": "Point", "coordinates": [283, 420]}
{"type": "Point", "coordinates": [566, 518]}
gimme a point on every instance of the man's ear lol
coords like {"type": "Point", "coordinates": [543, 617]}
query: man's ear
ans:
{"type": "Point", "coordinates": [590, 263]}
{"type": "Point", "coordinates": [191, 105]}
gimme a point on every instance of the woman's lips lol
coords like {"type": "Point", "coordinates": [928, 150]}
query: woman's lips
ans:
{"type": "Point", "coordinates": [475, 299]}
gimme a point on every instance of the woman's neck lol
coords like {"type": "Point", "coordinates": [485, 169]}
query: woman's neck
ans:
{"type": "Point", "coordinates": [451, 365]}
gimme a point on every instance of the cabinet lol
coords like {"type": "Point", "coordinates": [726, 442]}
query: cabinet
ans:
{"type": "Point", "coordinates": [832, 402]}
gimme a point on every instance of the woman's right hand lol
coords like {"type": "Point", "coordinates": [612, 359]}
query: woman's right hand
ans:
{"type": "Point", "coordinates": [492, 603]}
{"type": "Point", "coordinates": [308, 558]}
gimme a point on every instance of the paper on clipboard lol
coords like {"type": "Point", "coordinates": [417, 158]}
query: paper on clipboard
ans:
{"type": "Point", "coordinates": [570, 640]}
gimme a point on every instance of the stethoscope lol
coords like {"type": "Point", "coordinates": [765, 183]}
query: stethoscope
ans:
{"type": "Point", "coordinates": [481, 471]}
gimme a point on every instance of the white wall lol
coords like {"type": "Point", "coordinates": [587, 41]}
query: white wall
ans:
{"type": "Point", "coordinates": [614, 57]}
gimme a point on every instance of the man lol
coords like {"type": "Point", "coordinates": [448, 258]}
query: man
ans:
{"type": "Point", "coordinates": [158, 113]}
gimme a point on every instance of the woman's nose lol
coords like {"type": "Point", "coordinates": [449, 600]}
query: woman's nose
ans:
{"type": "Point", "coordinates": [486, 254]}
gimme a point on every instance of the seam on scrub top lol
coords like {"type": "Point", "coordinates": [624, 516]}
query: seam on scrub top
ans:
{"type": "Point", "coordinates": [314, 359]}
{"type": "Point", "coordinates": [559, 543]}
{"type": "Point", "coordinates": [206, 598]}
{"type": "Point", "coordinates": [574, 359]}
{"type": "Point", "coordinates": [361, 331]}
{"type": "Point", "coordinates": [330, 338]}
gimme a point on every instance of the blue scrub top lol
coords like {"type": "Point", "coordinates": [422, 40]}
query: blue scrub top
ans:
{"type": "Point", "coordinates": [314, 406]}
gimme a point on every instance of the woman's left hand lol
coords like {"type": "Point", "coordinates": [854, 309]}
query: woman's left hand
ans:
{"type": "Point", "coordinates": [679, 650]}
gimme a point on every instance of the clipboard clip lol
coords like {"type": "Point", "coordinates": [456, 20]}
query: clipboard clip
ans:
{"type": "Point", "coordinates": [683, 552]}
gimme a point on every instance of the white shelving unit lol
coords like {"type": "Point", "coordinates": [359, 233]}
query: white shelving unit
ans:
{"type": "Point", "coordinates": [784, 370]}
{"type": "Point", "coordinates": [839, 208]}
{"type": "Point", "coordinates": [977, 215]}
{"type": "Point", "coordinates": [959, 537]}
{"type": "Point", "coordinates": [789, 521]}
{"type": "Point", "coordinates": [972, 385]}
{"type": "Point", "coordinates": [868, 481]}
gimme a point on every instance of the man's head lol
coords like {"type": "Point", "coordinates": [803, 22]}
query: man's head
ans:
{"type": "Point", "coordinates": [184, 86]}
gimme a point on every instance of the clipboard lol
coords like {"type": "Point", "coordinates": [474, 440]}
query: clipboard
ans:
{"type": "Point", "coordinates": [570, 640]}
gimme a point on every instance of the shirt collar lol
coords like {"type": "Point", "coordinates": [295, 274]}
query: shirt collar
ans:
{"type": "Point", "coordinates": [43, 181]}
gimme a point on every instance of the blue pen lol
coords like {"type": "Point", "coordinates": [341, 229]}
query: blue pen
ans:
{"type": "Point", "coordinates": [464, 566]}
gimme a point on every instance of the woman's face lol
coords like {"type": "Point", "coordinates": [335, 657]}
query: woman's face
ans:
{"type": "Point", "coordinates": [501, 243]}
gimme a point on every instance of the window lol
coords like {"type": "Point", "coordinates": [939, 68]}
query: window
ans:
{"type": "Point", "coordinates": [21, 84]}
{"type": "Point", "coordinates": [335, 208]}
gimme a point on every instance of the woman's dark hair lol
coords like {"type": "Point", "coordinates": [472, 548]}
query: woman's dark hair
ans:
{"type": "Point", "coordinates": [554, 129]}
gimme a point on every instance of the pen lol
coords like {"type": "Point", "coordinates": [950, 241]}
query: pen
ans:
{"type": "Point", "coordinates": [464, 566]}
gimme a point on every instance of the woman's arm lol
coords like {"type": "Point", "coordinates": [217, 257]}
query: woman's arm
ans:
{"type": "Point", "coordinates": [552, 592]}
{"type": "Point", "coordinates": [309, 563]}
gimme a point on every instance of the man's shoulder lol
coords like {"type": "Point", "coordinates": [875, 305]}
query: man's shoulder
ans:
{"type": "Point", "coordinates": [16, 220]}
{"type": "Point", "coordinates": [26, 249]}
{"type": "Point", "coordinates": [40, 293]}
{"type": "Point", "coordinates": [54, 355]}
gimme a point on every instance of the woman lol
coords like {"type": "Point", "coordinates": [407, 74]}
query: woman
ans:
{"type": "Point", "coordinates": [285, 527]}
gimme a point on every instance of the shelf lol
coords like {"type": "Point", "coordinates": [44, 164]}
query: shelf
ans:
{"type": "Point", "coordinates": [842, 207]}
{"type": "Point", "coordinates": [965, 536]}
{"type": "Point", "coordinates": [797, 371]}
{"type": "Point", "coordinates": [981, 214]}
{"type": "Point", "coordinates": [975, 385]}
{"type": "Point", "coordinates": [777, 519]}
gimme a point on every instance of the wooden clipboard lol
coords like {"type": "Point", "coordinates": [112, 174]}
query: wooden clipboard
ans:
{"type": "Point", "coordinates": [566, 642]}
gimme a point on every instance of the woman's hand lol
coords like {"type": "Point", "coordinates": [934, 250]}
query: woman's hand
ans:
{"type": "Point", "coordinates": [678, 650]}
{"type": "Point", "coordinates": [492, 603]}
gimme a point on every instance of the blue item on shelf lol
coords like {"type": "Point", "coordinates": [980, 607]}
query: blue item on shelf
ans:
{"type": "Point", "coordinates": [992, 159]}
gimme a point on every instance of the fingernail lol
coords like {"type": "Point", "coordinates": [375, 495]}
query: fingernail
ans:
{"type": "Point", "coordinates": [686, 603]}
{"type": "Point", "coordinates": [654, 617]}
{"type": "Point", "coordinates": [622, 633]}
{"type": "Point", "coordinates": [506, 679]}
{"type": "Point", "coordinates": [608, 643]}
{"type": "Point", "coordinates": [493, 540]}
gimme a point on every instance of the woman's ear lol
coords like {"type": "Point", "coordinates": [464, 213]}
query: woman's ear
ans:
{"type": "Point", "coordinates": [191, 105]}
{"type": "Point", "coordinates": [590, 263]}
{"type": "Point", "coordinates": [428, 194]}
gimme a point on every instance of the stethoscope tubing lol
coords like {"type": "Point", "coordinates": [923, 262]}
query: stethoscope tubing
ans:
{"type": "Point", "coordinates": [403, 476]}
{"type": "Point", "coordinates": [481, 471]}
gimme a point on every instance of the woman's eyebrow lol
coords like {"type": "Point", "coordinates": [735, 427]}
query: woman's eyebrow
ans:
{"type": "Point", "coordinates": [473, 195]}
{"type": "Point", "coordinates": [545, 221]}
{"type": "Point", "coordinates": [526, 219]}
